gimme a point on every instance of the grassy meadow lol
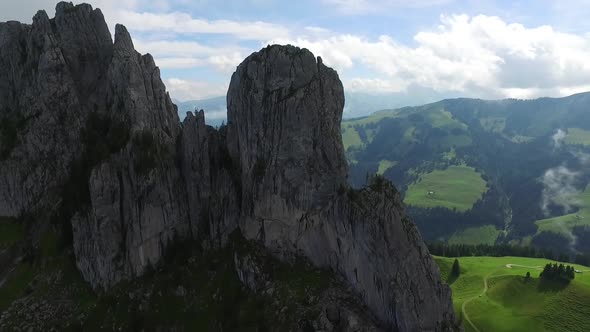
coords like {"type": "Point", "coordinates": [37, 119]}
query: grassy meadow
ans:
{"type": "Point", "coordinates": [384, 165]}
{"type": "Point", "coordinates": [475, 235]}
{"type": "Point", "coordinates": [577, 136]}
{"type": "Point", "coordinates": [512, 303]}
{"type": "Point", "coordinates": [457, 187]}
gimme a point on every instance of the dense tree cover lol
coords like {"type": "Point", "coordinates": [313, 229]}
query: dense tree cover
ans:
{"type": "Point", "coordinates": [582, 234]}
{"type": "Point", "coordinates": [456, 269]}
{"type": "Point", "coordinates": [497, 250]}
{"type": "Point", "coordinates": [582, 259]}
{"type": "Point", "coordinates": [552, 241]}
{"type": "Point", "coordinates": [561, 273]}
{"type": "Point", "coordinates": [438, 221]}
{"type": "Point", "coordinates": [512, 154]}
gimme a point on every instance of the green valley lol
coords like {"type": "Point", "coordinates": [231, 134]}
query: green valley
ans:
{"type": "Point", "coordinates": [577, 136]}
{"type": "Point", "coordinates": [477, 171]}
{"type": "Point", "coordinates": [455, 188]}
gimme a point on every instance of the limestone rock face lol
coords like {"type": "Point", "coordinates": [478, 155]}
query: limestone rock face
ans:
{"type": "Point", "coordinates": [284, 112]}
{"type": "Point", "coordinates": [45, 93]}
{"type": "Point", "coordinates": [93, 116]}
{"type": "Point", "coordinates": [91, 141]}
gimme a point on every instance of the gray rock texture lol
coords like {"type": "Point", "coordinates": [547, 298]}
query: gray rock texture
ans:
{"type": "Point", "coordinates": [284, 112]}
{"type": "Point", "coordinates": [58, 76]}
{"type": "Point", "coordinates": [91, 141]}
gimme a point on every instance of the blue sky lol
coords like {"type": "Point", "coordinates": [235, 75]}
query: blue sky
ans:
{"type": "Point", "coordinates": [486, 49]}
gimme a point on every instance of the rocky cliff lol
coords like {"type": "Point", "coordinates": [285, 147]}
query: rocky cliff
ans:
{"type": "Point", "coordinates": [91, 142]}
{"type": "Point", "coordinates": [284, 113]}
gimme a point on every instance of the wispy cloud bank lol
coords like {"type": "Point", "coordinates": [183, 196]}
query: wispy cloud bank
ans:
{"type": "Point", "coordinates": [358, 7]}
{"type": "Point", "coordinates": [192, 90]}
{"type": "Point", "coordinates": [560, 189]}
{"type": "Point", "coordinates": [183, 23]}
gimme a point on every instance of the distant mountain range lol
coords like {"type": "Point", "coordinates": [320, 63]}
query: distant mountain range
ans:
{"type": "Point", "coordinates": [479, 171]}
{"type": "Point", "coordinates": [356, 104]}
{"type": "Point", "coordinates": [215, 109]}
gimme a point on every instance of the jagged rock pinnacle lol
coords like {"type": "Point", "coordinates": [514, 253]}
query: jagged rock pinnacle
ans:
{"type": "Point", "coordinates": [99, 149]}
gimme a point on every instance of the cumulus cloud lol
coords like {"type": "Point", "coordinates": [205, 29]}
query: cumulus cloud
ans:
{"type": "Point", "coordinates": [189, 54]}
{"type": "Point", "coordinates": [226, 62]}
{"type": "Point", "coordinates": [190, 90]}
{"type": "Point", "coordinates": [481, 54]}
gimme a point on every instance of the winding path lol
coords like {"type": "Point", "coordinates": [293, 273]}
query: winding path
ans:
{"type": "Point", "coordinates": [527, 267]}
{"type": "Point", "coordinates": [485, 289]}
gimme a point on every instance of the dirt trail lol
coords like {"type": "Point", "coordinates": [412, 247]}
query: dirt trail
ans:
{"type": "Point", "coordinates": [485, 289]}
{"type": "Point", "coordinates": [527, 267]}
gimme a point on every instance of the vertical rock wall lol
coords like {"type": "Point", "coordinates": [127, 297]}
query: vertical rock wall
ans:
{"type": "Point", "coordinates": [91, 138]}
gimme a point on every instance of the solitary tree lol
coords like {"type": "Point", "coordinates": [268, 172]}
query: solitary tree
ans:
{"type": "Point", "coordinates": [456, 270]}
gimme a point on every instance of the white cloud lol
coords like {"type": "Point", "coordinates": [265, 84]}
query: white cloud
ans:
{"type": "Point", "coordinates": [176, 48]}
{"type": "Point", "coordinates": [374, 85]}
{"type": "Point", "coordinates": [226, 63]}
{"type": "Point", "coordinates": [183, 23]}
{"type": "Point", "coordinates": [479, 55]}
{"type": "Point", "coordinates": [558, 138]}
{"type": "Point", "coordinates": [188, 54]}
{"type": "Point", "coordinates": [374, 6]}
{"type": "Point", "coordinates": [191, 90]}
{"type": "Point", "coordinates": [560, 189]}
{"type": "Point", "coordinates": [176, 63]}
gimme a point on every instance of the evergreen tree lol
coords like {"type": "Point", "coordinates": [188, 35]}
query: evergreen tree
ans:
{"type": "Point", "coordinates": [559, 272]}
{"type": "Point", "coordinates": [456, 270]}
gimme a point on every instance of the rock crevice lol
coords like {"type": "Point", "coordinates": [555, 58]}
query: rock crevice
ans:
{"type": "Point", "coordinates": [93, 115]}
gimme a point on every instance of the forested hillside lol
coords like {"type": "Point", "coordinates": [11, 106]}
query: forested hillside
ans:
{"type": "Point", "coordinates": [477, 171]}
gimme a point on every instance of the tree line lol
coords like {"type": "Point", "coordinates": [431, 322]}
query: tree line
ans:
{"type": "Point", "coordinates": [498, 250]}
{"type": "Point", "coordinates": [495, 250]}
{"type": "Point", "coordinates": [561, 273]}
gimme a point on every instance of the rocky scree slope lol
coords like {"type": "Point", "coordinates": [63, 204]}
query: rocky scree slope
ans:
{"type": "Point", "coordinates": [91, 144]}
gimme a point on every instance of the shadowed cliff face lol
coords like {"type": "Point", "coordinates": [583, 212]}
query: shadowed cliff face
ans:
{"type": "Point", "coordinates": [284, 113]}
{"type": "Point", "coordinates": [98, 150]}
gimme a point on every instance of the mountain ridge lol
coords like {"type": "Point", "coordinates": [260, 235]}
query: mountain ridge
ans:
{"type": "Point", "coordinates": [517, 147]}
{"type": "Point", "coordinates": [127, 181]}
